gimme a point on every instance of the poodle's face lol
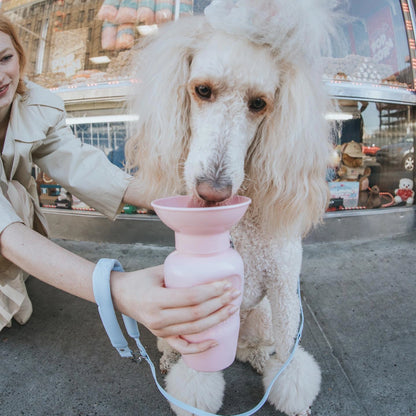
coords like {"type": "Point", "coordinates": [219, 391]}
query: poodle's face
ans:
{"type": "Point", "coordinates": [232, 86]}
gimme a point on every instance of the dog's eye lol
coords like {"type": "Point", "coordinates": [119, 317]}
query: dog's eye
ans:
{"type": "Point", "coordinates": [256, 104]}
{"type": "Point", "coordinates": [203, 91]}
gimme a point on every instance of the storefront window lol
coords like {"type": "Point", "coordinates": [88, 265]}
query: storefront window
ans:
{"type": "Point", "coordinates": [109, 136]}
{"type": "Point", "coordinates": [373, 154]}
{"type": "Point", "coordinates": [371, 73]}
{"type": "Point", "coordinates": [374, 48]}
{"type": "Point", "coordinates": [85, 42]}
{"type": "Point", "coordinates": [82, 51]}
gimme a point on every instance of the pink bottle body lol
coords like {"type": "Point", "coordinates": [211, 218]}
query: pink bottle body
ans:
{"type": "Point", "coordinates": [203, 254]}
{"type": "Point", "coordinates": [189, 269]}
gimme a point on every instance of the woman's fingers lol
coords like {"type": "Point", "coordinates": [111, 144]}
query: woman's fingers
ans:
{"type": "Point", "coordinates": [171, 312]}
{"type": "Point", "coordinates": [185, 347]}
{"type": "Point", "coordinates": [195, 327]}
{"type": "Point", "coordinates": [194, 295]}
{"type": "Point", "coordinates": [193, 314]}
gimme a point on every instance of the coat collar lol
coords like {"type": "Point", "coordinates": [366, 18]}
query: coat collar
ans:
{"type": "Point", "coordinates": [25, 124]}
{"type": "Point", "coordinates": [28, 124]}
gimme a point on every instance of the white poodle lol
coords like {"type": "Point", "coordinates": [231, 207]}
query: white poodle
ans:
{"type": "Point", "coordinates": [233, 102]}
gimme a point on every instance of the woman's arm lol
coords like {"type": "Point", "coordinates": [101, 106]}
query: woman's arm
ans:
{"type": "Point", "coordinates": [167, 313]}
{"type": "Point", "coordinates": [134, 194]}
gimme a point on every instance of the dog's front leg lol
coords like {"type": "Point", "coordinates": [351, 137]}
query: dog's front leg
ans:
{"type": "Point", "coordinates": [255, 342]}
{"type": "Point", "coordinates": [169, 355]}
{"type": "Point", "coordinates": [202, 390]}
{"type": "Point", "coordinates": [298, 385]}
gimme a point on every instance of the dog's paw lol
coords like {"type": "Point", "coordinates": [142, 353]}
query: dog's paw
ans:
{"type": "Point", "coordinates": [198, 389]}
{"type": "Point", "coordinates": [256, 356]}
{"type": "Point", "coordinates": [169, 356]}
{"type": "Point", "coordinates": [306, 412]}
{"type": "Point", "coordinates": [298, 385]}
{"type": "Point", "coordinates": [168, 359]}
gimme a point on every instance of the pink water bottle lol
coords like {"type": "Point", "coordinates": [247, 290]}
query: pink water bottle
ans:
{"type": "Point", "coordinates": [203, 254]}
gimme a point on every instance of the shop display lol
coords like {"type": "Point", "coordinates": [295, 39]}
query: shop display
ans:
{"type": "Point", "coordinates": [146, 12]}
{"type": "Point", "coordinates": [120, 18]}
{"type": "Point", "coordinates": [346, 195]}
{"type": "Point", "coordinates": [108, 10]}
{"type": "Point", "coordinates": [163, 11]}
{"type": "Point", "coordinates": [78, 205]}
{"type": "Point", "coordinates": [129, 209]}
{"type": "Point", "coordinates": [109, 36]}
{"type": "Point", "coordinates": [356, 68]}
{"type": "Point", "coordinates": [80, 46]}
{"type": "Point", "coordinates": [364, 172]}
{"type": "Point", "coordinates": [373, 47]}
{"type": "Point", "coordinates": [120, 67]}
{"type": "Point", "coordinates": [405, 193]}
{"type": "Point", "coordinates": [125, 36]}
{"type": "Point", "coordinates": [352, 168]}
{"type": "Point", "coordinates": [64, 200]}
{"type": "Point", "coordinates": [343, 195]}
{"type": "Point", "coordinates": [374, 198]}
{"type": "Point", "coordinates": [71, 59]}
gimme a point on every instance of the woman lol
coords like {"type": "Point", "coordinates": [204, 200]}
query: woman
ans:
{"type": "Point", "coordinates": [33, 129]}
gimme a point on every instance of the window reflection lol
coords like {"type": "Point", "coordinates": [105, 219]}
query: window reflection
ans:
{"type": "Point", "coordinates": [375, 46]}
{"type": "Point", "coordinates": [108, 136]}
{"type": "Point", "coordinates": [79, 48]}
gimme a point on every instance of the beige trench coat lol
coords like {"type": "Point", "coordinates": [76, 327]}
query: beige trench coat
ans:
{"type": "Point", "coordinates": [37, 133]}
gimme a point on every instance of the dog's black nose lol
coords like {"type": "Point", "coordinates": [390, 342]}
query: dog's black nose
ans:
{"type": "Point", "coordinates": [210, 193]}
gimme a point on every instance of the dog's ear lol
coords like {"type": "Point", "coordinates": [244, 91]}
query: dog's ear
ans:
{"type": "Point", "coordinates": [286, 169]}
{"type": "Point", "coordinates": [287, 164]}
{"type": "Point", "coordinates": [158, 142]}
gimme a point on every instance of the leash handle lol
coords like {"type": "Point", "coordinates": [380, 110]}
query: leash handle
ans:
{"type": "Point", "coordinates": [102, 294]}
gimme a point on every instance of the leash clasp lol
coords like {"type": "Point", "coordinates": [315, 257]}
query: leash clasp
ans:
{"type": "Point", "coordinates": [137, 357]}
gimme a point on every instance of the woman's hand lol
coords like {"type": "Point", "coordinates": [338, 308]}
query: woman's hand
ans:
{"type": "Point", "coordinates": [169, 313]}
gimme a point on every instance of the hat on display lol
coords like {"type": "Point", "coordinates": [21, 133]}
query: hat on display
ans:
{"type": "Point", "coordinates": [353, 149]}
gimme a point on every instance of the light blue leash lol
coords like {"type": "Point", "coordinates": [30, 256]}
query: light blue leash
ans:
{"type": "Point", "coordinates": [102, 294]}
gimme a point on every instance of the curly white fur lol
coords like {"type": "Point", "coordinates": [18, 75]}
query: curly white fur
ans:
{"type": "Point", "coordinates": [201, 390]}
{"type": "Point", "coordinates": [234, 103]}
{"type": "Point", "coordinates": [290, 394]}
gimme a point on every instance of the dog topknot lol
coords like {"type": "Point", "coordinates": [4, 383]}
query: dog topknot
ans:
{"type": "Point", "coordinates": [293, 29]}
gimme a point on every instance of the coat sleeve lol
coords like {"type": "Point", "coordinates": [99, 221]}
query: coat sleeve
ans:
{"type": "Point", "coordinates": [7, 213]}
{"type": "Point", "coordinates": [16, 205]}
{"type": "Point", "coordinates": [81, 169]}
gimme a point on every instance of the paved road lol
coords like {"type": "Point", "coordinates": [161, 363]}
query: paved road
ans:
{"type": "Point", "coordinates": [360, 309]}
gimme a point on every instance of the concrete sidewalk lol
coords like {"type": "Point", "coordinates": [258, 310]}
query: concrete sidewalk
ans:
{"type": "Point", "coordinates": [360, 310]}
